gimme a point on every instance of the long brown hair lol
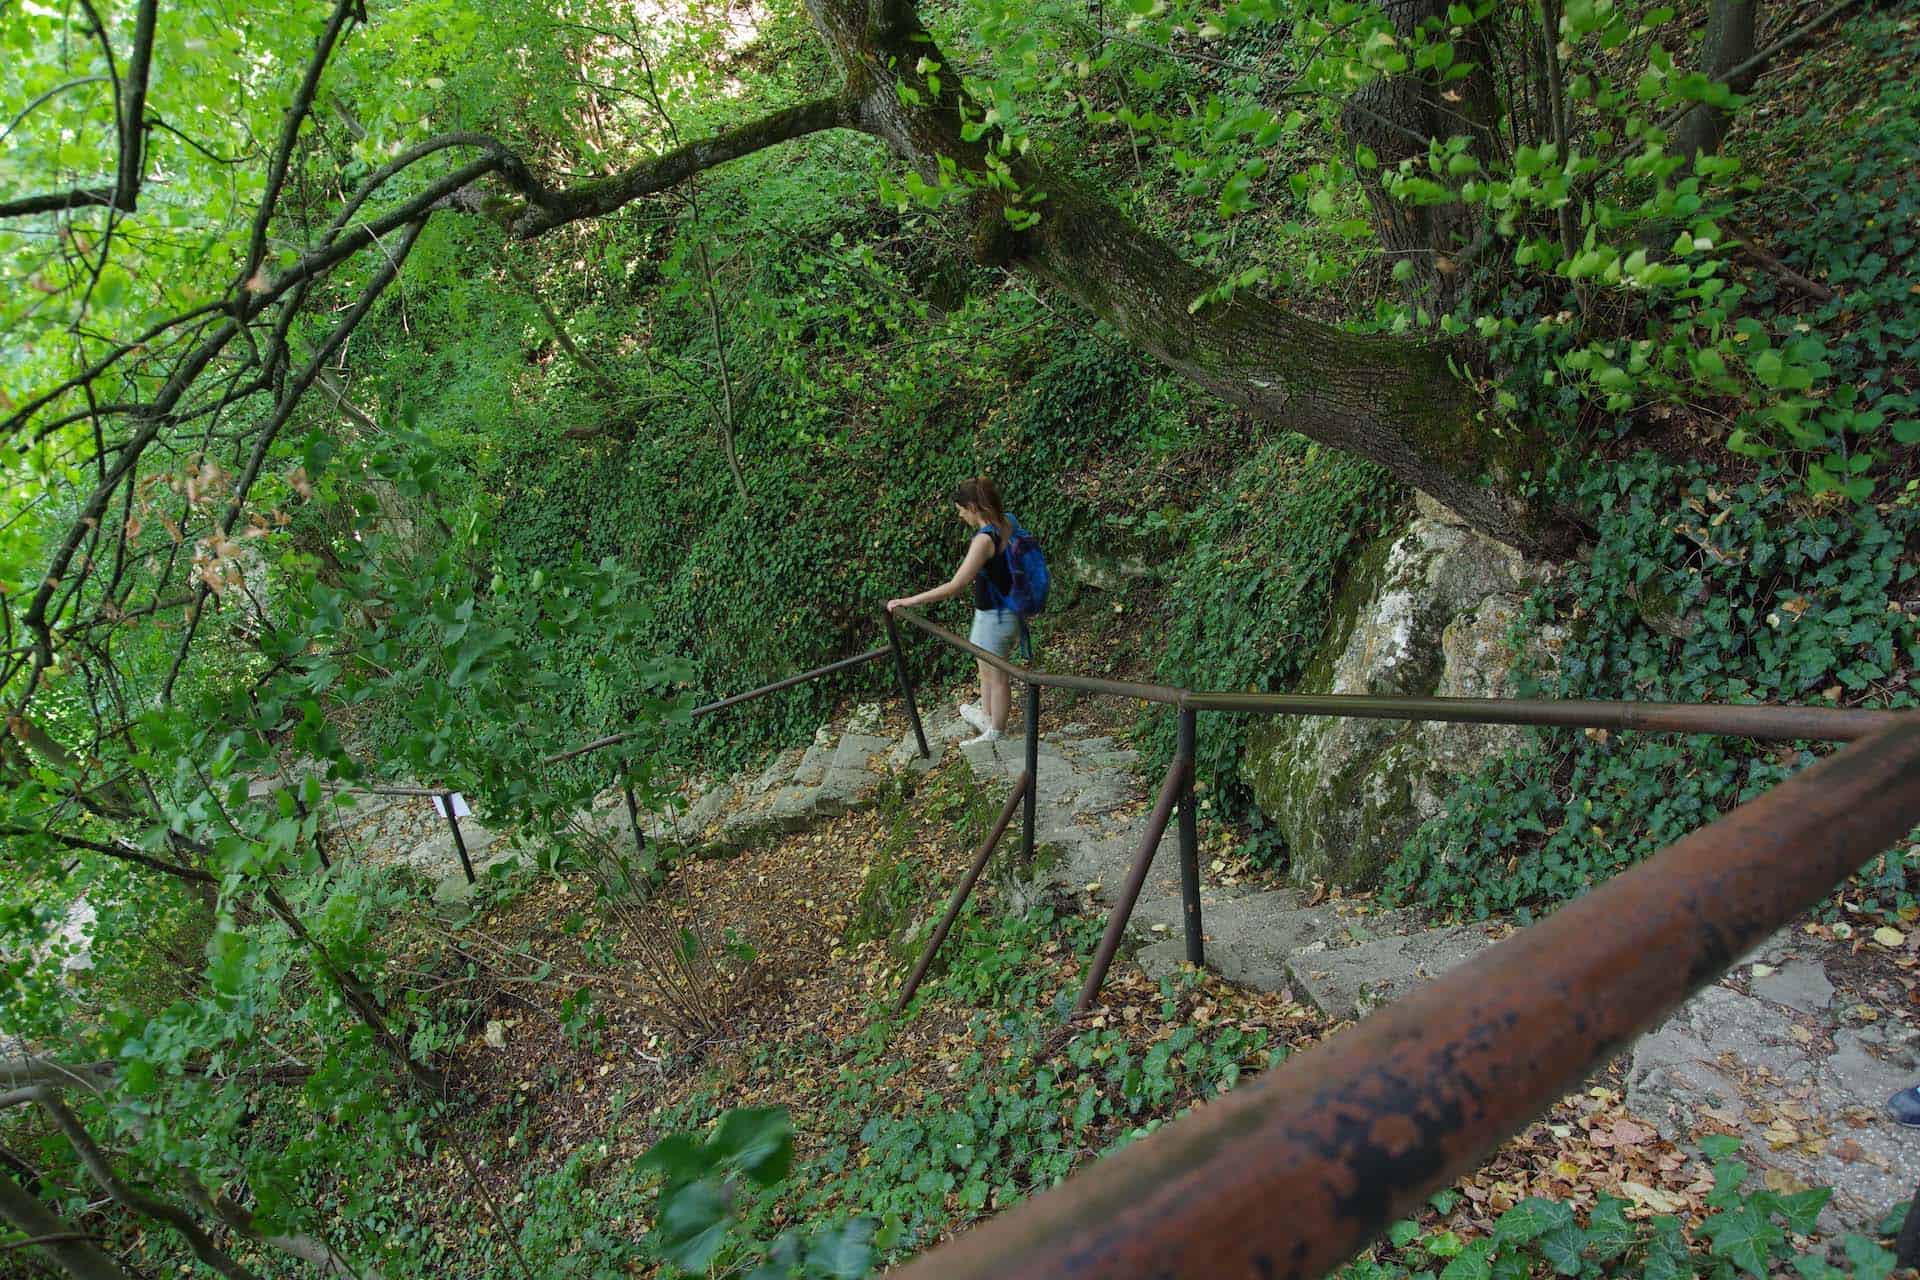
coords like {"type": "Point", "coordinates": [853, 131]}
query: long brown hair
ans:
{"type": "Point", "coordinates": [980, 494]}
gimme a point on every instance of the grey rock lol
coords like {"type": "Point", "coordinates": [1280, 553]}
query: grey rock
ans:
{"type": "Point", "coordinates": [1695, 1060]}
{"type": "Point", "coordinates": [857, 751]}
{"type": "Point", "coordinates": [813, 765]}
{"type": "Point", "coordinates": [705, 811]}
{"type": "Point", "coordinates": [1106, 572]}
{"type": "Point", "coordinates": [1425, 610]}
{"type": "Point", "coordinates": [865, 719]}
{"type": "Point", "coordinates": [906, 754]}
{"type": "Point", "coordinates": [776, 773]}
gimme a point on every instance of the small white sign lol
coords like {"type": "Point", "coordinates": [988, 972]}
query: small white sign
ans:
{"type": "Point", "coordinates": [460, 809]}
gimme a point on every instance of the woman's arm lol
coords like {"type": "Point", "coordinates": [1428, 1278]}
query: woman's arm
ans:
{"type": "Point", "coordinates": [979, 551]}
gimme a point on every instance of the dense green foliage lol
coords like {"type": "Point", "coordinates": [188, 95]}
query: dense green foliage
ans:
{"type": "Point", "coordinates": [292, 503]}
{"type": "Point", "coordinates": [1699, 590]}
{"type": "Point", "coordinates": [1711, 584]}
{"type": "Point", "coordinates": [1747, 1233]}
{"type": "Point", "coordinates": [1020, 1113]}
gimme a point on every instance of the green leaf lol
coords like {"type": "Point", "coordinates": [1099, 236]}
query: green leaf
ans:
{"type": "Point", "coordinates": [1802, 1209]}
{"type": "Point", "coordinates": [692, 1224]}
{"type": "Point", "coordinates": [1476, 1263]}
{"type": "Point", "coordinates": [1609, 1234]}
{"type": "Point", "coordinates": [1566, 1248]}
{"type": "Point", "coordinates": [1870, 1261]}
{"type": "Point", "coordinates": [1530, 1219]}
{"type": "Point", "coordinates": [757, 1141]}
{"type": "Point", "coordinates": [1744, 1236]}
{"type": "Point", "coordinates": [679, 1158]}
{"type": "Point", "coordinates": [842, 1253]}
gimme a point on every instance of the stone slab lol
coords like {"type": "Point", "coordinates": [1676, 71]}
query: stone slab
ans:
{"type": "Point", "coordinates": [1798, 984]}
{"type": "Point", "coordinates": [1351, 982]}
{"type": "Point", "coordinates": [857, 751]}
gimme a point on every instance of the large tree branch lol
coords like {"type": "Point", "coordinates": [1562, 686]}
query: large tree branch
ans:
{"type": "Point", "coordinates": [70, 1250]}
{"type": "Point", "coordinates": [139, 1202]}
{"type": "Point", "coordinates": [129, 108]}
{"type": "Point", "coordinates": [604, 195]}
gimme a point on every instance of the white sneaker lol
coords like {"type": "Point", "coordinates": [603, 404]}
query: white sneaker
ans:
{"type": "Point", "coordinates": [986, 735]}
{"type": "Point", "coordinates": [974, 715]}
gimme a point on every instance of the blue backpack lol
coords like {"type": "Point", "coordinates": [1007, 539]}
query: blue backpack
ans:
{"type": "Point", "coordinates": [1028, 565]}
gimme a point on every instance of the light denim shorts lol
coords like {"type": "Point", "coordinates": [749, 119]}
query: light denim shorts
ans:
{"type": "Point", "coordinates": [995, 630]}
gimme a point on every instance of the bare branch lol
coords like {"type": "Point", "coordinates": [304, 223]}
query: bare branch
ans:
{"type": "Point", "coordinates": [604, 195]}
{"type": "Point", "coordinates": [290, 132]}
{"type": "Point", "coordinates": [147, 1206]}
{"type": "Point", "coordinates": [69, 1249]}
{"type": "Point", "coordinates": [123, 852]}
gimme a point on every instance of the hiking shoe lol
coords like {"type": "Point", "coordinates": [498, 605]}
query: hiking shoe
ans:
{"type": "Point", "coordinates": [986, 735]}
{"type": "Point", "coordinates": [1904, 1107]}
{"type": "Point", "coordinates": [975, 716]}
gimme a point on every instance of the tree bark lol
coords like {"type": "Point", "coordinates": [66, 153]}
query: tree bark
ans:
{"type": "Point", "coordinates": [1727, 47]}
{"type": "Point", "coordinates": [1390, 400]}
{"type": "Point", "coordinates": [1397, 117]}
{"type": "Point", "coordinates": [66, 1248]}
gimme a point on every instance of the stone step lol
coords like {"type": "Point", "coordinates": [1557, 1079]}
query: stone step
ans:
{"type": "Point", "coordinates": [1351, 981]}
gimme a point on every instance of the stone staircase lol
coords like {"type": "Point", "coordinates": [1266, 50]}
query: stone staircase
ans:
{"type": "Point", "coordinates": [1089, 811]}
{"type": "Point", "coordinates": [1342, 962]}
{"type": "Point", "coordinates": [1778, 1021]}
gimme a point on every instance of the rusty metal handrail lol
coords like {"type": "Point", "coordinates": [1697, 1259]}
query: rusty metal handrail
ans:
{"type": "Point", "coordinates": [610, 740]}
{"type": "Point", "coordinates": [1356, 1132]}
{"type": "Point", "coordinates": [1022, 789]}
{"type": "Point", "coordinates": [1745, 720]}
{"type": "Point", "coordinates": [722, 704]}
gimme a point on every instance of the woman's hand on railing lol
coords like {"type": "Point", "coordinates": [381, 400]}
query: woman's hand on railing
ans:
{"type": "Point", "coordinates": [899, 602]}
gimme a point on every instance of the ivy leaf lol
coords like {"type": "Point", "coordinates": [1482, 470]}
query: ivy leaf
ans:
{"type": "Point", "coordinates": [1609, 1234]}
{"type": "Point", "coordinates": [1530, 1219]}
{"type": "Point", "coordinates": [1744, 1236]}
{"type": "Point", "coordinates": [1870, 1261]}
{"type": "Point", "coordinates": [1802, 1209]}
{"type": "Point", "coordinates": [1475, 1263]}
{"type": "Point", "coordinates": [1566, 1248]}
{"type": "Point", "coordinates": [1667, 1253]}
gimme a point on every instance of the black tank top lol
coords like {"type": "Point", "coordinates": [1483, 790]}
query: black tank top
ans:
{"type": "Point", "coordinates": [997, 571]}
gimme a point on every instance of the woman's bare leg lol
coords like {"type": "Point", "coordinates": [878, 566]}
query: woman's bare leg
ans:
{"type": "Point", "coordinates": [986, 691]}
{"type": "Point", "coordinates": [1002, 693]}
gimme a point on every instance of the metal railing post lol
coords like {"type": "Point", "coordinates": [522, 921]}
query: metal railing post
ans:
{"type": "Point", "coordinates": [459, 842]}
{"type": "Point", "coordinates": [633, 816]}
{"type": "Point", "coordinates": [1023, 787]}
{"type": "Point", "coordinates": [1130, 892]}
{"type": "Point", "coordinates": [906, 681]}
{"type": "Point", "coordinates": [319, 844]}
{"type": "Point", "coordinates": [1190, 846]}
{"type": "Point", "coordinates": [1033, 771]}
